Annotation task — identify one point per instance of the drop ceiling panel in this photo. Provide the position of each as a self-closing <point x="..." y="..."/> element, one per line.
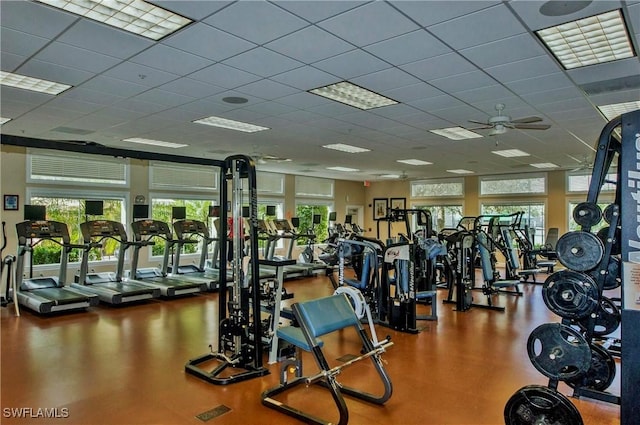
<point x="253" y="21"/>
<point x="66" y="103"/>
<point x="20" y="43"/>
<point x="413" y="92"/>
<point x="53" y="72"/>
<point x="25" y="96"/>
<point x="387" y="79"/>
<point x="162" y="97"/>
<point x="435" y="103"/>
<point x="92" y="96"/>
<point x="114" y="86"/>
<point x="263" y="62"/>
<point x="407" y="48"/>
<point x="104" y="39"/>
<point x="606" y="71"/>
<point x="34" y="18"/>
<point x="219" y="44"/>
<point x="303" y="100"/>
<point x="507" y="50"/>
<point x="351" y="64"/>
<point x="400" y="110"/>
<point x="13" y="108"/>
<point x="349" y="25"/>
<point x="192" y="9"/>
<point x="142" y="106"/>
<point x="439" y="67"/>
<point x="309" y="45"/>
<point x="224" y="76"/>
<point x="267" y="89"/>
<point x="547" y="82"/>
<point x="190" y="87"/>
<point x="271" y="108"/>
<point x="529" y="11"/>
<point x="171" y="60"/>
<point x="484" y="94"/>
<point x="315" y="11"/>
<point x="462" y="82"/>
<point x="523" y="69"/>
<point x="67" y="55"/>
<point x="432" y="12"/>
<point x="551" y="96"/>
<point x="305" y="78"/>
<point x="493" y="23"/>
<point x="10" y="62"/>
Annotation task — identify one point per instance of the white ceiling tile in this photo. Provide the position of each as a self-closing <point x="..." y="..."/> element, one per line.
<point x="20" y="43"/>
<point x="25" y="96"/>
<point x="551" y="96"/>
<point x="387" y="79"/>
<point x="164" y="98"/>
<point x="114" y="86"/>
<point x="92" y="96"/>
<point x="104" y="39"/>
<point x="267" y="89"/>
<point x="195" y="10"/>
<point x="53" y="72"/>
<point x="315" y="11"/>
<point x="349" y="25"/>
<point x="431" y="12"/>
<point x="486" y="93"/>
<point x="512" y="49"/>
<point x="462" y="82"/>
<point x="304" y="100"/>
<point x="480" y="27"/>
<point x="67" y="55"/>
<point x="542" y="83"/>
<point x="64" y="102"/>
<point x="253" y="21"/>
<point x="439" y="66"/>
<point x="413" y="92"/>
<point x="219" y="44"/>
<point x="34" y="18"/>
<point x="434" y="103"/>
<point x="305" y="78"/>
<point x="351" y="64"/>
<point x="606" y="71"/>
<point x="139" y="105"/>
<point x="263" y="62"/>
<point x="224" y="76"/>
<point x="171" y="60"/>
<point x="309" y="45"/>
<point x="203" y="108"/>
<point x="271" y="108"/>
<point x="139" y="74"/>
<point x="10" y="62"/>
<point x="566" y="105"/>
<point x="300" y="116"/>
<point x="397" y="111"/>
<point x="15" y="104"/>
<point x="333" y="109"/>
<point x="190" y="87"/>
<point x="407" y="48"/>
<point x="523" y="69"/>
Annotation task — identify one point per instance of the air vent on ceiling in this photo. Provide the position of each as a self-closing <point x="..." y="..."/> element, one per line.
<point x="616" y="84"/>
<point x="71" y="130"/>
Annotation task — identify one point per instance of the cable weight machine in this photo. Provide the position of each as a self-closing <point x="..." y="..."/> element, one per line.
<point x="239" y="334"/>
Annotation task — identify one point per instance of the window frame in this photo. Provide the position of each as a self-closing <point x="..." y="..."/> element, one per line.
<point x="505" y="177"/>
<point x="460" y="180"/>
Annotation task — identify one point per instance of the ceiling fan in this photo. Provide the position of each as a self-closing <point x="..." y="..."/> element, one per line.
<point x="500" y="123"/>
<point x="261" y="158"/>
<point x="584" y="164"/>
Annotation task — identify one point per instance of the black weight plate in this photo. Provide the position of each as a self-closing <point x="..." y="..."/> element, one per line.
<point x="570" y="295"/>
<point x="603" y="235"/>
<point x="613" y="277"/>
<point x="607" y="318"/>
<point x="538" y="405"/>
<point x="580" y="251"/>
<point x="558" y="351"/>
<point x="607" y="214"/>
<point x="587" y="214"/>
<point x="601" y="372"/>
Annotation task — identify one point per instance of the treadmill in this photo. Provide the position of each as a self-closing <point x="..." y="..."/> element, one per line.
<point x="298" y="269"/>
<point x="48" y="294"/>
<point x="310" y="269"/>
<point x="111" y="288"/>
<point x="193" y="231"/>
<point x="170" y="285"/>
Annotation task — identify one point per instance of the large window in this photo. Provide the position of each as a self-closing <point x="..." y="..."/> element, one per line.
<point x="47" y="167"/>
<point x="516" y="184"/>
<point x="580" y="182"/>
<point x="305" y="212"/>
<point x="188" y="177"/>
<point x="313" y="187"/>
<point x="71" y="211"/>
<point x="533" y="216"/>
<point x="443" y="216"/>
<point x="437" y="188"/>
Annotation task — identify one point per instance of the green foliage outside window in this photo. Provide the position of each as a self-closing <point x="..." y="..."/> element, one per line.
<point x="195" y="210"/>
<point x="305" y="213"/>
<point x="71" y="212"/>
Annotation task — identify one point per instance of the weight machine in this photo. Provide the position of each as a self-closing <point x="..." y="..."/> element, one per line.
<point x="572" y="351"/>
<point x="239" y="349"/>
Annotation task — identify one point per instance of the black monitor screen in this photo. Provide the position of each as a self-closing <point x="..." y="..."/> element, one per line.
<point x="35" y="212"/>
<point x="317" y="218"/>
<point x="245" y="212"/>
<point x="333" y="216"/>
<point x="295" y="221"/>
<point x="93" y="207"/>
<point x="214" y="210"/>
<point x="271" y="210"/>
<point x="140" y="211"/>
<point x="178" y="213"/>
<point x="347" y="219"/>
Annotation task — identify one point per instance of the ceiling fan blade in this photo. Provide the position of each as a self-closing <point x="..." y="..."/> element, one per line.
<point x="484" y="127"/>
<point x="526" y="120"/>
<point x="478" y="122"/>
<point x="532" y="126"/>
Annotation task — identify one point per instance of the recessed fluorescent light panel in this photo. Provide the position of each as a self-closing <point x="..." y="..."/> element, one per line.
<point x="510" y="153"/>
<point x="587" y="41"/>
<point x="460" y="171"/>
<point x="352" y="95"/>
<point x="344" y="169"/>
<point x="33" y="84"/>
<point x="456" y="133"/>
<point x="230" y="124"/>
<point x="414" y="162"/>
<point x="136" y="16"/>
<point x="4" y="120"/>
<point x="389" y="176"/>
<point x="544" y="165"/>
<point x="615" y="109"/>
<point x="346" y="148"/>
<point x="154" y="142"/>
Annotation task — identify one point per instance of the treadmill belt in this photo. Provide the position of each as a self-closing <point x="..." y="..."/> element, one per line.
<point x="59" y="295"/>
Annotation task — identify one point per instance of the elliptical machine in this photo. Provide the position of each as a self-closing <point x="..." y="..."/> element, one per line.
<point x="9" y="291"/>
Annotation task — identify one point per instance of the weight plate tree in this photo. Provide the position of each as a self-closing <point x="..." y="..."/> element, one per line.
<point x="535" y="404"/>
